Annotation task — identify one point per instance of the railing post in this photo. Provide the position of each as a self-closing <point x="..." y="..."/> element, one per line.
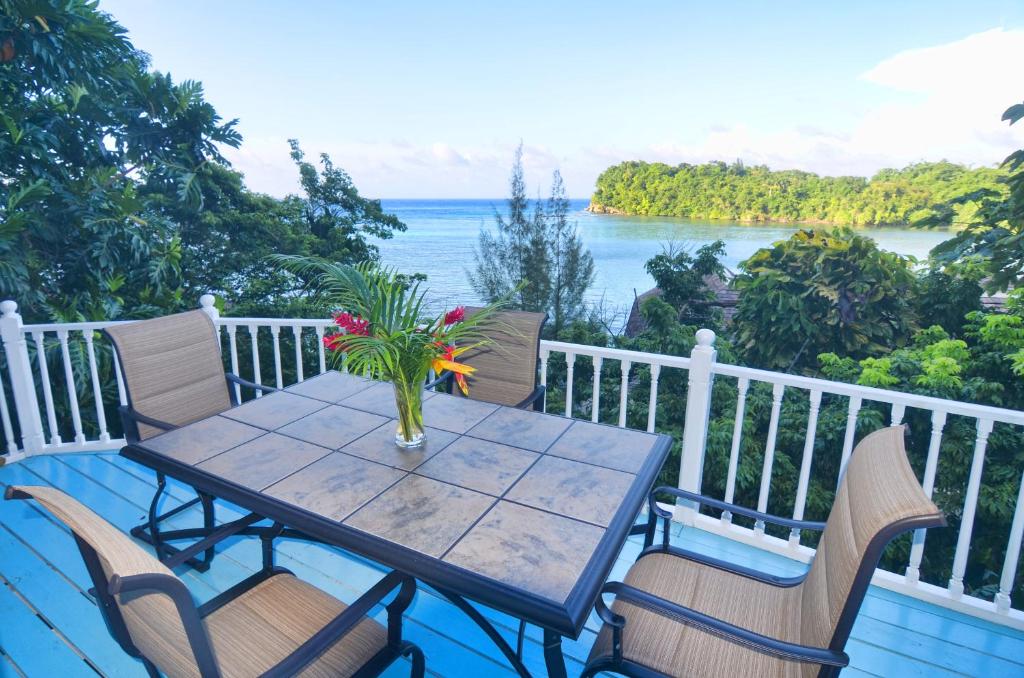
<point x="698" y="412"/>
<point x="22" y="383"/>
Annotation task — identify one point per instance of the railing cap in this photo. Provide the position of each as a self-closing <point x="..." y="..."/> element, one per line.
<point x="9" y="308"/>
<point x="705" y="337"/>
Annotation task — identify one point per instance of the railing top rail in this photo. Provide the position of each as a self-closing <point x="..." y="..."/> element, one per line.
<point x="72" y="327"/>
<point x="273" y="322"/>
<point x="616" y="354"/>
<point x="999" y="414"/>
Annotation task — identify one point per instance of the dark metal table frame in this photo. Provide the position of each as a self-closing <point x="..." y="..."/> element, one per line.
<point x="455" y="583"/>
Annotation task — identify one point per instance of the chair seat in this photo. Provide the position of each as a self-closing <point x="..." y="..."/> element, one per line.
<point x="261" y="627"/>
<point x="678" y="649"/>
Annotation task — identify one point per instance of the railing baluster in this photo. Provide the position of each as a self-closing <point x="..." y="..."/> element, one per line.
<point x="69" y="378"/>
<point x="544" y="355"/>
<point x="320" y="348"/>
<point x="1012" y="553"/>
<point x="233" y="350"/>
<point x="5" y="416"/>
<point x="297" y="331"/>
<point x="963" y="540"/>
<point x="851" y="431"/>
<point x="44" y="376"/>
<point x="97" y="389"/>
<point x="570" y="361"/>
<point x="778" y="390"/>
<point x="742" y="385"/>
<point x="805" y="466"/>
<point x="652" y="400"/>
<point x="898" y="412"/>
<point x="625" y="366"/>
<point x="595" y="407"/>
<point x="254" y="338"/>
<point x="913" y="573"/>
<point x="275" y="331"/>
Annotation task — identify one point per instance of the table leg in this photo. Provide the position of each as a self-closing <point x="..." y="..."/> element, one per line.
<point x="492" y="633"/>
<point x="553" y="657"/>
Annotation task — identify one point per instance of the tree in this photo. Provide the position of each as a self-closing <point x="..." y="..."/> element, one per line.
<point x="85" y="128"/>
<point x="572" y="266"/>
<point x="994" y="231"/>
<point x="822" y="291"/>
<point x="516" y="253"/>
<point x="682" y="280"/>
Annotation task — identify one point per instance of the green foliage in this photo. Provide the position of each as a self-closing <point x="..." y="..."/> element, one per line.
<point x="717" y="190"/>
<point x="541" y="250"/>
<point x="572" y="266"/>
<point x="818" y="292"/>
<point x="681" y="279"/>
<point x="86" y="128"/>
<point x="993" y="231"/>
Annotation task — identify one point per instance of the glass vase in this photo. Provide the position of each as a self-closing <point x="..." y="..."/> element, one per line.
<point x="409" y="401"/>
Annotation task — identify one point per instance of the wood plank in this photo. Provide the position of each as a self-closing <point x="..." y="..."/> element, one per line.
<point x="64" y="606"/>
<point x="35" y="648"/>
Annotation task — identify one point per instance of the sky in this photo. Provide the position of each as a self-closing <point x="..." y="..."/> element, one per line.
<point x="429" y="100"/>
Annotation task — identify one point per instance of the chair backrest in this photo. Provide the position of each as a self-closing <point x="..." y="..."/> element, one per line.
<point x="145" y="622"/>
<point x="172" y="368"/>
<point x="879" y="497"/>
<point x="506" y="368"/>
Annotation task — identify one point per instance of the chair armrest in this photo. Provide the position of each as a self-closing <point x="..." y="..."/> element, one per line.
<point x="708" y="624"/>
<point x="235" y="379"/>
<point x="532" y="399"/>
<point x="732" y="508"/>
<point x="323" y="639"/>
<point x="446" y="377"/>
<point x="139" y="418"/>
<point x="221" y="533"/>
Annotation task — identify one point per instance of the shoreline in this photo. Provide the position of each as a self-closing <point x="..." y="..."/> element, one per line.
<point x="598" y="209"/>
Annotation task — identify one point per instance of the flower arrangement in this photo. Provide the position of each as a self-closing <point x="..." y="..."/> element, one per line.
<point x="384" y="333"/>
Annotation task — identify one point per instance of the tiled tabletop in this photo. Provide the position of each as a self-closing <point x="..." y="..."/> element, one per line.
<point x="520" y="497"/>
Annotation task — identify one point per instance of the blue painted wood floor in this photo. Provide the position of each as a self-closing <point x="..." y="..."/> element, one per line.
<point x="49" y="625"/>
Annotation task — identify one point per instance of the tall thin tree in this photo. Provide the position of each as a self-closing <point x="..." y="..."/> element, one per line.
<point x="572" y="266"/>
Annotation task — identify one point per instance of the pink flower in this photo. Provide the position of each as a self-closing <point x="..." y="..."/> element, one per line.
<point x="456" y="315"/>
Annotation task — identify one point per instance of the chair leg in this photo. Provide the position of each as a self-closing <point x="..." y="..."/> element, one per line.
<point x="415" y="654"/>
<point x="209" y="524"/>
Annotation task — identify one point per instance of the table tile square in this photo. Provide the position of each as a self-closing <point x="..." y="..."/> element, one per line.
<point x="479" y="465"/>
<point x="264" y="461"/>
<point x="455" y="413"/>
<point x="274" y="410"/>
<point x="422" y="514"/>
<point x="336" y="485"/>
<point x="333" y="426"/>
<point x="204" y="439"/>
<point x="616" y="448"/>
<point x="581" y="491"/>
<point x="532" y="550"/>
<point x="522" y="428"/>
<point x="379" y="445"/>
<point x="379" y="398"/>
<point x="330" y="387"/>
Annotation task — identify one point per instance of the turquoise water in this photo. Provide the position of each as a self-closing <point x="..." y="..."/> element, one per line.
<point x="443" y="233"/>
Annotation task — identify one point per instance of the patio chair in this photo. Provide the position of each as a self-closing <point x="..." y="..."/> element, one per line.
<point x="270" y="624"/>
<point x="507" y="367"/>
<point x="173" y="375"/>
<point x="681" y="613"/>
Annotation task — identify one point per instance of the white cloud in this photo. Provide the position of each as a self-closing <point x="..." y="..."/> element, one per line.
<point x="942" y="102"/>
<point x="945" y="102"/>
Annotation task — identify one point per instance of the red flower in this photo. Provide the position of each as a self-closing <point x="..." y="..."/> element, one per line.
<point x="352" y="324"/>
<point x="456" y="315"/>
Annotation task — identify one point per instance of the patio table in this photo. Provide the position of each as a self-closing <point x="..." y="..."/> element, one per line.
<point x="521" y="511"/>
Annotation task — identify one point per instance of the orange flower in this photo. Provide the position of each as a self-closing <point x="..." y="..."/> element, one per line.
<point x="447" y="362"/>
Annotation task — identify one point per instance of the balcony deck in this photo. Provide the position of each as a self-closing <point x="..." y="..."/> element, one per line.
<point x="50" y="625"/>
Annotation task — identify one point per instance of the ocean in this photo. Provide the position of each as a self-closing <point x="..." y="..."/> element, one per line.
<point x="442" y="235"/>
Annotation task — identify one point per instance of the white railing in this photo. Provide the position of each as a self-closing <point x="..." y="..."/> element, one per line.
<point x="52" y="367"/>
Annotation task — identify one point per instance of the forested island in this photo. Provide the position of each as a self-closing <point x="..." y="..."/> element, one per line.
<point x="719" y="190"/>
